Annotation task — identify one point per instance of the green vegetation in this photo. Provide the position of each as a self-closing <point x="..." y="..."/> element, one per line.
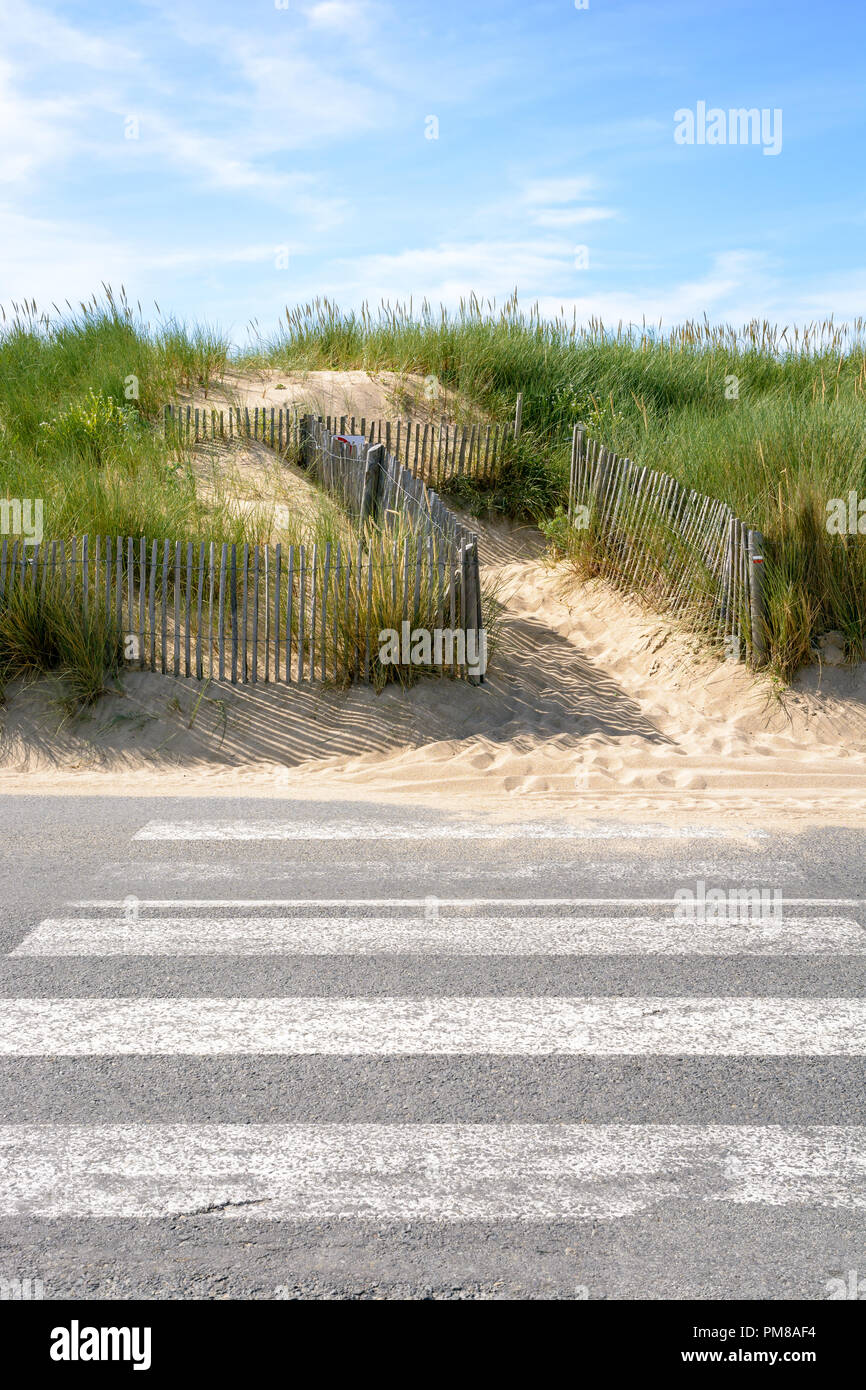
<point x="47" y="633"/>
<point x="772" y="422"/>
<point x="777" y="443"/>
<point x="79" y="396"/>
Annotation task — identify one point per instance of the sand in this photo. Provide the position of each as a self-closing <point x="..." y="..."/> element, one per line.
<point x="372" y="395"/>
<point x="592" y="705"/>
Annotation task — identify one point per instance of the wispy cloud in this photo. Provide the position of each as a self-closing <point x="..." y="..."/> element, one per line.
<point x="305" y="127"/>
<point x="348" y="17"/>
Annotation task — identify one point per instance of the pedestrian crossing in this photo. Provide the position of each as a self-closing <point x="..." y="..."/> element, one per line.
<point x="507" y="1170"/>
<point x="426" y="832"/>
<point x="440" y="1172"/>
<point x="393" y="1027"/>
<point x="494" y="934"/>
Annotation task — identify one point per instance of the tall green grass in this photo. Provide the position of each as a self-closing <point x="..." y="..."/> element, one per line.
<point x="81" y="396"/>
<point x="46" y="632"/>
<point x="791" y="437"/>
<point x="770" y="420"/>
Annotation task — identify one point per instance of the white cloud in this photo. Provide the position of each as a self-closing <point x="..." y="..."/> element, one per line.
<point x="54" y="261"/>
<point x="452" y="271"/>
<point x="560" y="190"/>
<point x="570" y="217"/>
<point x="34" y="130"/>
<point x="737" y="286"/>
<point x="345" y="16"/>
<point x="559" y="203"/>
<point x="43" y="37"/>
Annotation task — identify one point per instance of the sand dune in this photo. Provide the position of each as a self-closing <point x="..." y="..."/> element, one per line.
<point x="591" y="703"/>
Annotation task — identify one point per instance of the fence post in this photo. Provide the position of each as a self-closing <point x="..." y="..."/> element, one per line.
<point x="757" y="601"/>
<point x="576" y="450"/>
<point x="518" y="415"/>
<point x="472" y="615"/>
<point x="305" y="430"/>
<point x="372" y="474"/>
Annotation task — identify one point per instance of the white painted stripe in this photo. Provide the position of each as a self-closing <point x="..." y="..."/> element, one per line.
<point x="462" y="830"/>
<point x="375" y="1026"/>
<point x="421" y="1172"/>
<point x="461" y="936"/>
<point x="188" y="903"/>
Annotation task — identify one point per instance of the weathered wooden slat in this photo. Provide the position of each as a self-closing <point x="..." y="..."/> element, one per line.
<point x="245" y="611"/>
<point x="177" y="601"/>
<point x="118" y="597"/>
<point x="278" y="560"/>
<point x="233" y="601"/>
<point x="301" y="604"/>
<point x="452" y="584"/>
<point x="187" y="610"/>
<point x="130" y="588"/>
<point x="290" y="598"/>
<point x="368" y="608"/>
<point x="326" y="574"/>
<point x="108" y="577"/>
<point x="142" y="599"/>
<point x="151" y="601"/>
<point x="199" y="671"/>
<point x="267" y="602"/>
<point x="166" y="552"/>
<point x="211" y="584"/>
<point x="335" y="606"/>
<point x="254" y="673"/>
<point x="85" y="573"/>
<point x="221" y="612"/>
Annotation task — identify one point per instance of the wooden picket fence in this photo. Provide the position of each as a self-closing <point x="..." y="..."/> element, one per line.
<point x="684" y="551"/>
<point x="438" y="454"/>
<point x="374" y="485"/>
<point x="279" y="429"/>
<point x="250" y="613"/>
<point x="377" y="488"/>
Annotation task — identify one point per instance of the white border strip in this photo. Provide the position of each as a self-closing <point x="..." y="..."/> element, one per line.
<point x="242" y="830"/>
<point x="84" y="903"/>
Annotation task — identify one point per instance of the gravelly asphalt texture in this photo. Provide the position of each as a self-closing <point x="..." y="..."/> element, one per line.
<point x="678" y="1243"/>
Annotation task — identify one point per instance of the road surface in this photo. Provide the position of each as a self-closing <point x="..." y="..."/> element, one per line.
<point x="284" y="1049"/>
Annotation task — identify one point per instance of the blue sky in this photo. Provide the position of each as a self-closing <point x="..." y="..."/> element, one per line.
<point x="281" y="153"/>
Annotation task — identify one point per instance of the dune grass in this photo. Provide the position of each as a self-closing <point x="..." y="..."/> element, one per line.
<point x="769" y="420"/>
<point x="81" y="400"/>
<point x="46" y="632"/>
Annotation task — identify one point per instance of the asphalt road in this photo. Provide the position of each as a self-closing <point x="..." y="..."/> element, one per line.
<point x="279" y="1049"/>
